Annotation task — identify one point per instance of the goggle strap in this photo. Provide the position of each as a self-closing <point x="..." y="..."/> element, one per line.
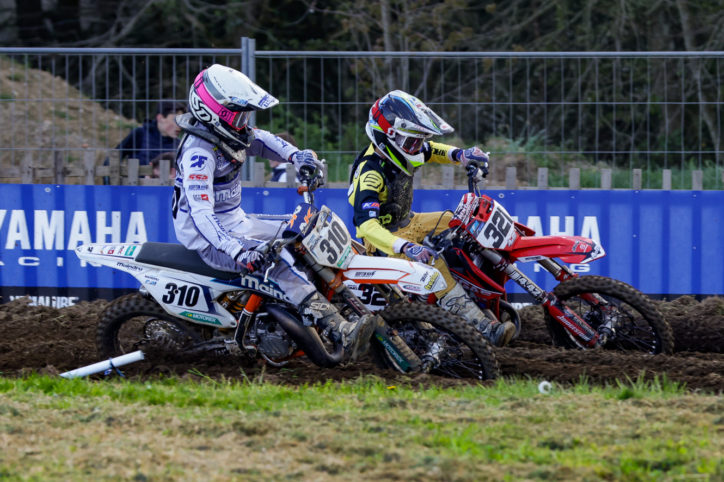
<point x="224" y="114"/>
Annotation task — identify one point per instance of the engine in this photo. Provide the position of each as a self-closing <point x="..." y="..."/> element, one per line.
<point x="272" y="340"/>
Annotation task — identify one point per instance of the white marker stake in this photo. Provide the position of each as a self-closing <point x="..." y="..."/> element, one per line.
<point x="545" y="387"/>
<point x="119" y="361"/>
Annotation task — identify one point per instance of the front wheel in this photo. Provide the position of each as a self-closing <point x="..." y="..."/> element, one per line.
<point x="637" y="324"/>
<point x="454" y="348"/>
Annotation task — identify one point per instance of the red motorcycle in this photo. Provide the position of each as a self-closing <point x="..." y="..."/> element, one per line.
<point x="481" y="247"/>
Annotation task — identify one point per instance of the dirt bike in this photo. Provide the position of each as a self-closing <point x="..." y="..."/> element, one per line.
<point x="185" y="308"/>
<point x="482" y="245"/>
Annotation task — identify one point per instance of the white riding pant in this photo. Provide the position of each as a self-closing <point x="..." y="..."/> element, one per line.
<point x="293" y="282"/>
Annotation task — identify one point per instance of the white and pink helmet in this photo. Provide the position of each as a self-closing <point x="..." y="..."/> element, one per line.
<point x="223" y="99"/>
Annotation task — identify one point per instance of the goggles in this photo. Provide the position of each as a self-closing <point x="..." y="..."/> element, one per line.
<point x="240" y="119"/>
<point x="408" y="143"/>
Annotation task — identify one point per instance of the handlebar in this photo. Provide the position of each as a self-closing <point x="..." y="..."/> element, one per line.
<point x="472" y="169"/>
<point x="310" y="179"/>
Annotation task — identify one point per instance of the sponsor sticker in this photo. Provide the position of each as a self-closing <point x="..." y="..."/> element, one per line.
<point x="198" y="177"/>
<point x="202" y="318"/>
<point x="198" y="161"/>
<point x="266" y="101"/>
<point x="433" y="278"/>
<point x="371" y="205"/>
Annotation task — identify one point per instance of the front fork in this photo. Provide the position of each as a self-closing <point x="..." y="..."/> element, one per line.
<point x="570" y="320"/>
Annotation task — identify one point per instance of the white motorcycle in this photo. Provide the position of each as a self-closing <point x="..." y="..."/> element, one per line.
<point x="185" y="308"/>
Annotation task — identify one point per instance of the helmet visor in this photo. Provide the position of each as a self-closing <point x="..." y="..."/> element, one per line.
<point x="409" y="144"/>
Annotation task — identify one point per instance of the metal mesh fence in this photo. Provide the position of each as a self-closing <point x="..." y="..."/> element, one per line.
<point x="615" y="110"/>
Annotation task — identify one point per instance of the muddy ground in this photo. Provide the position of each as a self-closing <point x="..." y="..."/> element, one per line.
<point x="48" y="340"/>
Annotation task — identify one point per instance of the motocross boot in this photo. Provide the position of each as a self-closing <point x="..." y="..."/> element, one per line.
<point x="355" y="336"/>
<point x="458" y="302"/>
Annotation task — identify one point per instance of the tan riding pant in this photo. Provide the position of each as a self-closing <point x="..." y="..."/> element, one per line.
<point x="420" y="226"/>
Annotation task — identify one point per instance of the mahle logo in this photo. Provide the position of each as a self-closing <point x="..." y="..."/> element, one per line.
<point x="202" y="318"/>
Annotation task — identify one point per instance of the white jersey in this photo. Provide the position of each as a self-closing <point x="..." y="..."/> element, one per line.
<point x="207" y="192"/>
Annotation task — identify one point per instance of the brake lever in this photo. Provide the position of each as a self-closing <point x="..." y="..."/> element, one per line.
<point x="268" y="270"/>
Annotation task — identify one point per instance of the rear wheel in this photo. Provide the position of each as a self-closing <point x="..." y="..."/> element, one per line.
<point x="637" y="323"/>
<point x="134" y="322"/>
<point x="458" y="350"/>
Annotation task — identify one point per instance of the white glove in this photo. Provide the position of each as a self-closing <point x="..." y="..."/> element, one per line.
<point x="474" y="154"/>
<point x="307" y="158"/>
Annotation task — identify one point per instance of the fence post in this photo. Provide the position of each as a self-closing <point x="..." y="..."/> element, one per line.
<point x="636" y="179"/>
<point x="697" y="180"/>
<point x="448" y="176"/>
<point x="574" y="178"/>
<point x="666" y="180"/>
<point x="89" y="166"/>
<point x="132" y="179"/>
<point x="164" y="172"/>
<point x="58" y="171"/>
<point x="291" y="175"/>
<point x="259" y="172"/>
<point x="511" y="181"/>
<point x="26" y="173"/>
<point x="606" y="178"/>
<point x="248" y="68"/>
<point x="114" y="164"/>
<point x="542" y="178"/>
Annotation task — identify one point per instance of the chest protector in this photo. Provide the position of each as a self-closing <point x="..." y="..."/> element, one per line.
<point x="396" y="211"/>
<point x="396" y="196"/>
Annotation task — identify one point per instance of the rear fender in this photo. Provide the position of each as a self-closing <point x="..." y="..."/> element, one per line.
<point x="569" y="249"/>
<point x="412" y="277"/>
<point x="116" y="256"/>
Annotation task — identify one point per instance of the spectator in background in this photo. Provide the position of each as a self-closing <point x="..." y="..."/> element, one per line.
<point x="156" y="163"/>
<point x="155" y="136"/>
<point x="279" y="169"/>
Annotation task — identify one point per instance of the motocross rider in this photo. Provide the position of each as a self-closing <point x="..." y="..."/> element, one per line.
<point x="207" y="209"/>
<point x="400" y="127"/>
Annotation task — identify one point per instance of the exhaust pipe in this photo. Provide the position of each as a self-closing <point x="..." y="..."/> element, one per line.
<point x="307" y="338"/>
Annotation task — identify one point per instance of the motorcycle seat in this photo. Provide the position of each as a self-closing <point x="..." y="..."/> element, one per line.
<point x="175" y="256"/>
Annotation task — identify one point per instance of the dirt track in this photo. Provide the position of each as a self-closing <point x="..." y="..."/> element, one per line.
<point x="49" y="340"/>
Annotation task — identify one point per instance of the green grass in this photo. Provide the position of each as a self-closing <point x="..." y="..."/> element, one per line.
<point x="365" y="429"/>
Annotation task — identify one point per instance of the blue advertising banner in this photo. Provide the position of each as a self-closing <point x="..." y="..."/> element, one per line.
<point x="665" y="243"/>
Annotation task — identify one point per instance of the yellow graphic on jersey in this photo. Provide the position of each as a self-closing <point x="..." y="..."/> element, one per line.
<point x="372" y="181"/>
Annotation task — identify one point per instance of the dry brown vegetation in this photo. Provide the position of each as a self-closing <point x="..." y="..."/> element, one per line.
<point x="42" y="115"/>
